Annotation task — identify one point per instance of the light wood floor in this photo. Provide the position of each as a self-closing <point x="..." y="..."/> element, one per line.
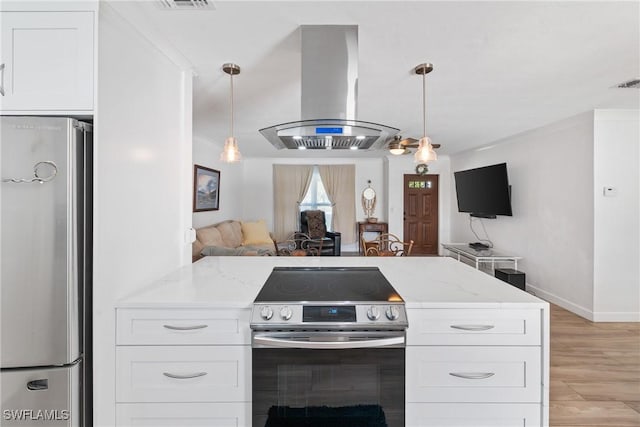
<point x="595" y="372"/>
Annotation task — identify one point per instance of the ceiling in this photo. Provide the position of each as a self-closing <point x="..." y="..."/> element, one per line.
<point x="500" y="68"/>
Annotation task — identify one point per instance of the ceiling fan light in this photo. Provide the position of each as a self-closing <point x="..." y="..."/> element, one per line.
<point x="396" y="148"/>
<point x="230" y="152"/>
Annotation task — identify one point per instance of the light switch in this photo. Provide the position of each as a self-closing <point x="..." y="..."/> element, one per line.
<point x="190" y="236"/>
<point x="610" y="191"/>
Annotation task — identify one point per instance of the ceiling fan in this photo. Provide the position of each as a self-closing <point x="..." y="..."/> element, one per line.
<point x="401" y="145"/>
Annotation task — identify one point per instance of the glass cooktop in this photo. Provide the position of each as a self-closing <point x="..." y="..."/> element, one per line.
<point x="336" y="284"/>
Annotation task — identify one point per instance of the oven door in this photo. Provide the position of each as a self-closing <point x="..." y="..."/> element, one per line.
<point x="328" y="379"/>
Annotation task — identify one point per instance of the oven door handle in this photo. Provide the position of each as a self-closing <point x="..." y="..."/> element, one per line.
<point x="267" y="341"/>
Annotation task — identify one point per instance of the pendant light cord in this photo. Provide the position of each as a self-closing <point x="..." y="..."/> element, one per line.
<point x="424" y="104"/>
<point x="231" y="80"/>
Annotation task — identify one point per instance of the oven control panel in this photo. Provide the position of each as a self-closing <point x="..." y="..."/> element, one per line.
<point x="329" y="315"/>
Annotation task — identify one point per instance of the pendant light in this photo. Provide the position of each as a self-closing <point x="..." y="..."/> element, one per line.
<point x="230" y="153"/>
<point x="425" y="152"/>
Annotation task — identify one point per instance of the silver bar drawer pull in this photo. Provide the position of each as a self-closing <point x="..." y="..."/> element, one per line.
<point x="185" y="328"/>
<point x="184" y="377"/>
<point x="472" y="375"/>
<point x="473" y="327"/>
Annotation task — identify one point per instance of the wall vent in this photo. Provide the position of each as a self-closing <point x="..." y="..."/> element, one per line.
<point x="631" y="84"/>
<point x="186" y="4"/>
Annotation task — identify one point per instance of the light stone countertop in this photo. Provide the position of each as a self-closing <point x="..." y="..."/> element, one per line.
<point x="423" y="282"/>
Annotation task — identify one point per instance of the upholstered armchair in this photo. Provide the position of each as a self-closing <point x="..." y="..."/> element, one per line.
<point x="313" y="224"/>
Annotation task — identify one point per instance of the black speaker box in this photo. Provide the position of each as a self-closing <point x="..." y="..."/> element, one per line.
<point x="511" y="276"/>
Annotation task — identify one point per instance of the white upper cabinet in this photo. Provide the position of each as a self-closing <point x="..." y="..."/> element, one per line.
<point x="48" y="61"/>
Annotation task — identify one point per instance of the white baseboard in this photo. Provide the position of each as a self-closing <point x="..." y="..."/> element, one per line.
<point x="616" y="316"/>
<point x="567" y="305"/>
<point x="601" y="316"/>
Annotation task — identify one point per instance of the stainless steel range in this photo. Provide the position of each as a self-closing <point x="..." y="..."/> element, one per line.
<point x="328" y="349"/>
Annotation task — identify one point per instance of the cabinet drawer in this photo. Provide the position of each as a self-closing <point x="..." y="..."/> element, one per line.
<point x="183" y="414"/>
<point x="474" y="374"/>
<point x="183" y="374"/>
<point x="473" y="327"/>
<point x="469" y="414"/>
<point x="183" y="326"/>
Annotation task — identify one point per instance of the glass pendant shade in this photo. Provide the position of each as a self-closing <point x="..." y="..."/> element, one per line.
<point x="425" y="152"/>
<point x="230" y="152"/>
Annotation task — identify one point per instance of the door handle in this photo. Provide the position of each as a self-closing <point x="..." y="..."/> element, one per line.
<point x="327" y="345"/>
<point x="36" y="385"/>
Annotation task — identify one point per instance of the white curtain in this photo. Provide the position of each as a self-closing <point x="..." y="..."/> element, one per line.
<point x="340" y="182"/>
<point x="290" y="184"/>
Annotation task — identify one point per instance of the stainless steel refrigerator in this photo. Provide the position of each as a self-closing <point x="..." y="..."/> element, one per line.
<point x="45" y="271"/>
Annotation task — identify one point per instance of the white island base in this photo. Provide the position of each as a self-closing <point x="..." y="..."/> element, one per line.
<point x="477" y="348"/>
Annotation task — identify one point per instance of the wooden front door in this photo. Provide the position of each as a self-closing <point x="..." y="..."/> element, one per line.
<point x="421" y="213"/>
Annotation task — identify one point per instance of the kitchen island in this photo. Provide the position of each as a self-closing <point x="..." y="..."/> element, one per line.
<point x="196" y="320"/>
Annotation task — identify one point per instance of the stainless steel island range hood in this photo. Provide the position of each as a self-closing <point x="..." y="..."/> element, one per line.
<point x="329" y="95"/>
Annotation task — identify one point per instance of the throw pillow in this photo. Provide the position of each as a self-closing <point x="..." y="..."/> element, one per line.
<point x="255" y="233"/>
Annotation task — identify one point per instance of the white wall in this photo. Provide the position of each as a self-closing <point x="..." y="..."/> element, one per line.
<point x="257" y="191"/>
<point x="396" y="168"/>
<point x="142" y="182"/>
<point x="207" y="153"/>
<point x="551" y="173"/>
<point x="617" y="218"/>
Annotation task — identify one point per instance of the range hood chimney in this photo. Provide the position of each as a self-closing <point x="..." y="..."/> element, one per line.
<point x="329" y="96"/>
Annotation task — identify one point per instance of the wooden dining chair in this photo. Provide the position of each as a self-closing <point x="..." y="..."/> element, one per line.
<point x="370" y="248"/>
<point x="387" y="244"/>
<point x="299" y="244"/>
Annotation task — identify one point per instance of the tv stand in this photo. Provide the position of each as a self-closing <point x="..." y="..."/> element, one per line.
<point x="462" y="252"/>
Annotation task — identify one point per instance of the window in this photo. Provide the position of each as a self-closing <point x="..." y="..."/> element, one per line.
<point x="317" y="198"/>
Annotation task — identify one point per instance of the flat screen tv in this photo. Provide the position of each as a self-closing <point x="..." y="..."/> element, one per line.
<point x="484" y="192"/>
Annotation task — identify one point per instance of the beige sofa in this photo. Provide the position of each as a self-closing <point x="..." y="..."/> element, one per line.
<point x="227" y="238"/>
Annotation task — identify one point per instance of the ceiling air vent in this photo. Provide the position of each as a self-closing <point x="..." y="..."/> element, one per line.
<point x="186" y="4"/>
<point x="631" y="84"/>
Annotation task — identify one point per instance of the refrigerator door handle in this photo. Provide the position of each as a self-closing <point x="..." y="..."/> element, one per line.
<point x="36" y="385"/>
<point x="2" y="79"/>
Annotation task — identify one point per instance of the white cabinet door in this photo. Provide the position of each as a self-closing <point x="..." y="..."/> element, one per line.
<point x="473" y="374"/>
<point x="48" y="61"/>
<point x="183" y="374"/>
<point x="193" y="326"/>
<point x="472" y="415"/>
<point x="183" y="414"/>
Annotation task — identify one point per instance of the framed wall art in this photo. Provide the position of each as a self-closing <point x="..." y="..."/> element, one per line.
<point x="206" y="189"/>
